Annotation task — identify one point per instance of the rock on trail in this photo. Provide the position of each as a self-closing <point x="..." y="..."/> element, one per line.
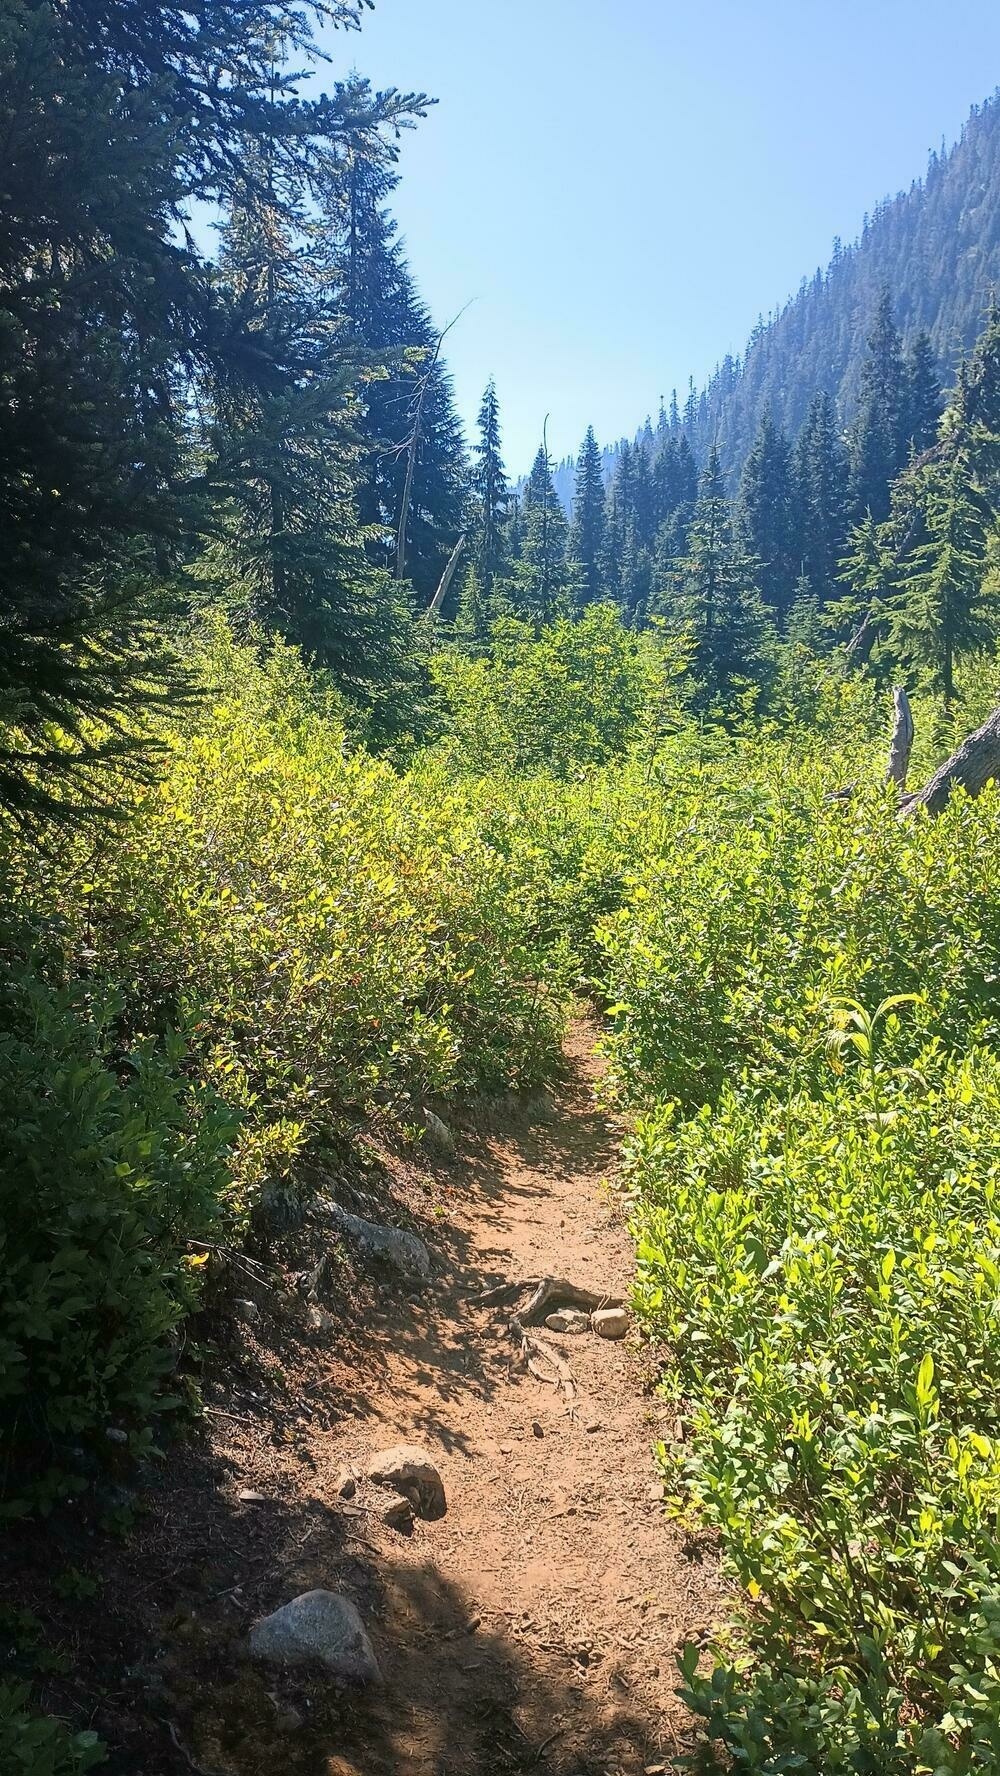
<point x="317" y="1627"/>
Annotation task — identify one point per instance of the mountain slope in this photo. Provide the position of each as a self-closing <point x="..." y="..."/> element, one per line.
<point x="937" y="246"/>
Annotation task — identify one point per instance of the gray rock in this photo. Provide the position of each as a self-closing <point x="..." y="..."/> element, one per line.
<point x="398" y="1515"/>
<point x="438" y="1132"/>
<point x="319" y="1320"/>
<point x="392" y="1245"/>
<point x="345" y="1484"/>
<point x="568" y="1319"/>
<point x="610" y="1322"/>
<point x="319" y="1627"/>
<point x="409" y="1470"/>
<point x="248" y="1312"/>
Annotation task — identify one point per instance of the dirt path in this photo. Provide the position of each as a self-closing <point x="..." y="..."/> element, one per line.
<point x="533" y="1628"/>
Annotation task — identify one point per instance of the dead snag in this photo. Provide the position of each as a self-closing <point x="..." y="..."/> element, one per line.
<point x="901" y="743"/>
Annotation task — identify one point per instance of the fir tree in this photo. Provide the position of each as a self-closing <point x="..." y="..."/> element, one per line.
<point x="492" y="493"/>
<point x="942" y="610"/>
<point x="923" y="395"/>
<point x="712" y="593"/>
<point x="587" y="533"/>
<point x="405" y="386"/>
<point x="765" y="516"/>
<point x="878" y="438"/>
<point x="820" y="496"/>
<point x="540" y="580"/>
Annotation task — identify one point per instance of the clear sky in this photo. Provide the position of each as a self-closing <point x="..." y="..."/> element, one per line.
<point x="624" y="185"/>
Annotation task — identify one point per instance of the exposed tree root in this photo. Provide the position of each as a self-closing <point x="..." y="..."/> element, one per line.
<point x="538" y="1297"/>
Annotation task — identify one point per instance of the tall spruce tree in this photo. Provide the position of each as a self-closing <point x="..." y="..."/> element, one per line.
<point x="405" y="393"/>
<point x="765" y="516"/>
<point x="879" y="434"/>
<point x="923" y="395"/>
<point x="492" y="493"/>
<point x="539" y="578"/>
<point x="712" y="594"/>
<point x="942" y="609"/>
<point x="116" y="336"/>
<point x="587" y="531"/>
<point x="820" y="473"/>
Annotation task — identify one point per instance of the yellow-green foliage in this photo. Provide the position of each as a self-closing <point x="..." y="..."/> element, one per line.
<point x="815" y="1168"/>
<point x="577" y="695"/>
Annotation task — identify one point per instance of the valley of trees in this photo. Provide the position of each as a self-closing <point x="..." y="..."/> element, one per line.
<point x="335" y="773"/>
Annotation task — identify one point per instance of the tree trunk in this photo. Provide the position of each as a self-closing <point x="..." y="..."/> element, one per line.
<point x="973" y="765"/>
<point x="902" y="739"/>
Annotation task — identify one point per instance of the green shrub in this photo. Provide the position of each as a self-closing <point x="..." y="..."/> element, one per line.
<point x="36" y="1744"/>
<point x="826" y="1272"/>
<point x="113" y="1163"/>
<point x="757" y="899"/>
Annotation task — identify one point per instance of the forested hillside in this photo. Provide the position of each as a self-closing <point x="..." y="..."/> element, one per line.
<point x="335" y="779"/>
<point x="936" y="247"/>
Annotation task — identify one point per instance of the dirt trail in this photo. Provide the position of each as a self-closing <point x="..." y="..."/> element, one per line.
<point x="533" y="1628"/>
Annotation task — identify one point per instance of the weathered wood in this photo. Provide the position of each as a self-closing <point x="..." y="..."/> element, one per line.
<point x="446" y="579"/>
<point x="863" y="640"/>
<point x="901" y="743"/>
<point x="972" y="766"/>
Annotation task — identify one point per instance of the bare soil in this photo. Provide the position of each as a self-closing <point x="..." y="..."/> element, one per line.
<point x="533" y="1628"/>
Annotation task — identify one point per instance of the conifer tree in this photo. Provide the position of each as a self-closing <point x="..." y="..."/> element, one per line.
<point x="116" y="336"/>
<point x="587" y="532"/>
<point x="878" y="438"/>
<point x="540" y="580"/>
<point x="765" y="516"/>
<point x="942" y="609"/>
<point x="489" y="482"/>
<point x="820" y="496"/>
<point x="972" y="422"/>
<point x="405" y="385"/>
<point x="712" y="593"/>
<point x="923" y="395"/>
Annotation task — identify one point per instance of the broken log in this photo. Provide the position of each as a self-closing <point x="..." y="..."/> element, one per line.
<point x="971" y="767"/>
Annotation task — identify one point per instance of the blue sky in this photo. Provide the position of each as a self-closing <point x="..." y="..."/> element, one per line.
<point x="621" y="187"/>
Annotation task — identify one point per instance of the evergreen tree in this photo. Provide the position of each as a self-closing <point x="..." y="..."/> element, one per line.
<point x="405" y="391"/>
<point x="765" y="516"/>
<point x="472" y="623"/>
<point x="489" y="482"/>
<point x="942" y="609"/>
<point x="116" y="336"/>
<point x="587" y="533"/>
<point x="540" y="579"/>
<point x="923" y="395"/>
<point x="878" y="438"/>
<point x="820" y="474"/>
<point x="712" y="593"/>
<point x="972" y="422"/>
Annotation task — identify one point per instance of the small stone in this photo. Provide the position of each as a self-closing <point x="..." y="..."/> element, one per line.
<point x="114" y="1435"/>
<point x="248" y="1312"/>
<point x="318" y="1320"/>
<point x="345" y="1484"/>
<point x="398" y="1515"/>
<point x="247" y="1497"/>
<point x="568" y="1319"/>
<point x="537" y="1428"/>
<point x="409" y="1470"/>
<point x="390" y="1245"/>
<point x="290" y="1721"/>
<point x="438" y="1133"/>
<point x="593" y="1424"/>
<point x="321" y="1627"/>
<point x="506" y="1448"/>
<point x="610" y="1322"/>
